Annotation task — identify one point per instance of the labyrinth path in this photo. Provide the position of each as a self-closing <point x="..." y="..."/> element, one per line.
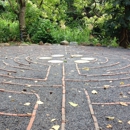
<point x="67" y="87"/>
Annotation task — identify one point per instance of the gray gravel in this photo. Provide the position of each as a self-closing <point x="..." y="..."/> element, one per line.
<point x="24" y="60"/>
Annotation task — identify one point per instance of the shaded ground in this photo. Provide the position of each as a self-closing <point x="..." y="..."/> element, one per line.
<point x="26" y="77"/>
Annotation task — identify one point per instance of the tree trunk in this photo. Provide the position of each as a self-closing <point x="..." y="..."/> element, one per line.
<point x="124" y="38"/>
<point x="124" y="35"/>
<point x="22" y="24"/>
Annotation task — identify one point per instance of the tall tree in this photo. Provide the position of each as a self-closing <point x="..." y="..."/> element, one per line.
<point x="19" y="8"/>
<point x="119" y="24"/>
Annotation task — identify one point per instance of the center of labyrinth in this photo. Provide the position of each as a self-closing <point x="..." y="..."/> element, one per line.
<point x="64" y="87"/>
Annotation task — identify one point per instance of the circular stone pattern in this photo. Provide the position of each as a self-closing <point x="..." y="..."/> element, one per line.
<point x="81" y="61"/>
<point x="44" y="58"/>
<point x="76" y="55"/>
<point x="57" y="55"/>
<point x="55" y="61"/>
<point x="86" y="58"/>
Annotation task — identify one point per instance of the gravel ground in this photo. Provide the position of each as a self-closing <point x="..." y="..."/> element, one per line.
<point x="25" y="78"/>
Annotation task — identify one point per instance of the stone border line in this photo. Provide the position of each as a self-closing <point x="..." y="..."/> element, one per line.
<point x="21" y="67"/>
<point x="45" y="79"/>
<point x="110" y="74"/>
<point x="126" y="85"/>
<point x="11" y="114"/>
<point x="20" y="62"/>
<point x="13" y="71"/>
<point x="92" y="111"/>
<point x="96" y="80"/>
<point x="120" y="68"/>
<point x="63" y="100"/>
<point x="96" y="75"/>
<point x="29" y="61"/>
<point x="30" y="85"/>
<point x="33" y="115"/>
<point x="101" y="66"/>
<point x="109" y="103"/>
<point x="105" y="61"/>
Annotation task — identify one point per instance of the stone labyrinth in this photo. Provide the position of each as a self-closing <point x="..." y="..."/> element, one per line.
<point x="64" y="87"/>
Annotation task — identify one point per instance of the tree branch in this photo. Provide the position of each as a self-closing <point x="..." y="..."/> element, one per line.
<point x="15" y="11"/>
<point x="40" y="3"/>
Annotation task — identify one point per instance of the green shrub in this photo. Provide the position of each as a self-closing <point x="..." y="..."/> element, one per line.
<point x="41" y="30"/>
<point x="8" y="30"/>
<point x="77" y="34"/>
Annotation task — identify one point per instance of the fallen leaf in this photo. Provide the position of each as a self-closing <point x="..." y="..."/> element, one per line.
<point x="86" y="84"/>
<point x="27" y="104"/>
<point x="29" y="113"/>
<point x="28" y="85"/>
<point x="9" y="81"/>
<point x="109" y="126"/>
<point x="120" y="121"/>
<point x="53" y="120"/>
<point x="122" y="83"/>
<point x="39" y="102"/>
<point x="47" y="114"/>
<point x="110" y="118"/>
<point x="124" y="96"/>
<point x="123" y="104"/>
<point x="129" y="122"/>
<point x="94" y="92"/>
<point x="121" y="94"/>
<point x="56" y="127"/>
<point x="12" y="100"/>
<point x="106" y="86"/>
<point x="73" y="104"/>
<point x="22" y="70"/>
<point x="86" y="68"/>
<point x="8" y="73"/>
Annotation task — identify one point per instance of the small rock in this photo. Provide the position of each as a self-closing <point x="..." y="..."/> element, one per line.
<point x="84" y="44"/>
<point x="1" y="44"/>
<point x="47" y="44"/>
<point x="23" y="44"/>
<point x="73" y="43"/>
<point x="98" y="44"/>
<point x="6" y="44"/>
<point x="90" y="44"/>
<point x="64" y="42"/>
<point x="41" y="43"/>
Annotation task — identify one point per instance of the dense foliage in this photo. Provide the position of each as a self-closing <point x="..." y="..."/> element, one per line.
<point x="104" y="22"/>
